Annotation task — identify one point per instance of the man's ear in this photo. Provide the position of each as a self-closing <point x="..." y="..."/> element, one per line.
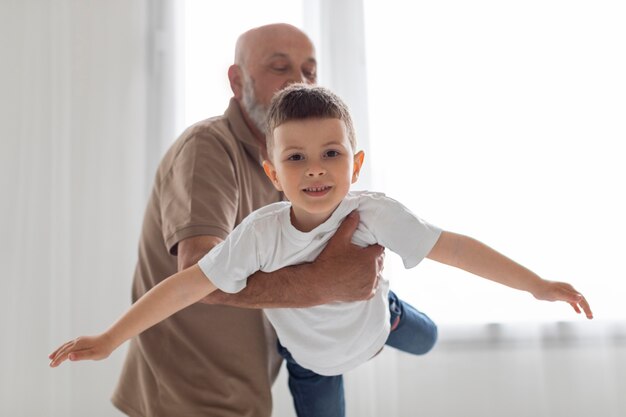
<point x="270" y="171"/>
<point x="235" y="76"/>
<point x="358" y="163"/>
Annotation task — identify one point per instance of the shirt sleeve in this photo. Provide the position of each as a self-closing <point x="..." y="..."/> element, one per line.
<point x="200" y="194"/>
<point x="403" y="232"/>
<point x="229" y="264"/>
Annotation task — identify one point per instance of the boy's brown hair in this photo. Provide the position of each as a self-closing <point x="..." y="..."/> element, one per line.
<point x="304" y="101"/>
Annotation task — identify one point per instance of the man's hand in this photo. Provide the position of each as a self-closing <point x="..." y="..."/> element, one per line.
<point x="342" y="272"/>
<point x="345" y="271"/>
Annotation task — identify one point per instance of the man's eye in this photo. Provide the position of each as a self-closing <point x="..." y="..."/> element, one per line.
<point x="331" y="154"/>
<point x="280" y="69"/>
<point x="295" y="157"/>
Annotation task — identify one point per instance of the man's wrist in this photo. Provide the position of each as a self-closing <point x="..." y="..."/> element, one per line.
<point x="311" y="274"/>
<point x="217" y="297"/>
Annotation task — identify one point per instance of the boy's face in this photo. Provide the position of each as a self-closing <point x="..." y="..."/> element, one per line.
<point x="314" y="164"/>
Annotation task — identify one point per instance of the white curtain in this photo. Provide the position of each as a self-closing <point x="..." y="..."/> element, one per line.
<point x="73" y="178"/>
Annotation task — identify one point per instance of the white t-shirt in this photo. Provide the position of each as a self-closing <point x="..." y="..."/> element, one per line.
<point x="329" y="339"/>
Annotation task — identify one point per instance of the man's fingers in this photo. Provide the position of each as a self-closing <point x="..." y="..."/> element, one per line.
<point x="376" y="250"/>
<point x="348" y="225"/>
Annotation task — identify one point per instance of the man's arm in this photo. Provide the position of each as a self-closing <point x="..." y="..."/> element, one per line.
<point x="477" y="258"/>
<point x="342" y="272"/>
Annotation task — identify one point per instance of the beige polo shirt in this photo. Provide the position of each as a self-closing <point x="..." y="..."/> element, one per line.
<point x="205" y="360"/>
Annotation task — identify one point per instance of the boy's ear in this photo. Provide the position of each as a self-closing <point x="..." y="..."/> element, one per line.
<point x="358" y="163"/>
<point x="235" y="77"/>
<point x="270" y="171"/>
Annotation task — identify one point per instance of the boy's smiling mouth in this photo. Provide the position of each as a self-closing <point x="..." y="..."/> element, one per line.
<point x="318" y="190"/>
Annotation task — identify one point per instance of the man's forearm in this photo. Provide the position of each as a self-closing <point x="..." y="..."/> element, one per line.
<point x="289" y="287"/>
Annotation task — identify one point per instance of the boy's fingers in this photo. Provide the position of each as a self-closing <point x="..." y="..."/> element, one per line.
<point x="72" y="355"/>
<point x="57" y="361"/>
<point x="569" y="295"/>
<point x="60" y="352"/>
<point x="56" y="352"/>
<point x="579" y="302"/>
<point x="586" y="308"/>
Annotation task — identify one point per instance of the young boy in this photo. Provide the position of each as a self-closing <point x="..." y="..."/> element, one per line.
<point x="311" y="149"/>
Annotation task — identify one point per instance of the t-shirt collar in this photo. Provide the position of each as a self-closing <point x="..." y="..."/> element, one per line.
<point x="345" y="207"/>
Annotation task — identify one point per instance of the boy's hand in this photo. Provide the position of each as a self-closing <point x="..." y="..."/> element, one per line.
<point x="562" y="291"/>
<point x="82" y="348"/>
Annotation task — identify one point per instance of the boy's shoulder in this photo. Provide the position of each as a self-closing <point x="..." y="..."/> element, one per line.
<point x="370" y="199"/>
<point x="268" y="213"/>
<point x="374" y="207"/>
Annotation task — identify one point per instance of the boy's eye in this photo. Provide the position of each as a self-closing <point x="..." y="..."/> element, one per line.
<point x="331" y="154"/>
<point x="295" y="157"/>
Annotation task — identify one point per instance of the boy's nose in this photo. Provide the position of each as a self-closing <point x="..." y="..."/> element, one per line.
<point x="315" y="171"/>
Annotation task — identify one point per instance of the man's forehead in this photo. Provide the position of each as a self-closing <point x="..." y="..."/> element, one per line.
<point x="283" y="49"/>
<point x="270" y="45"/>
<point x="279" y="55"/>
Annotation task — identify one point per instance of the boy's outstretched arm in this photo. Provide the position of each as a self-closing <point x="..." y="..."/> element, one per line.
<point x="171" y="295"/>
<point x="473" y="256"/>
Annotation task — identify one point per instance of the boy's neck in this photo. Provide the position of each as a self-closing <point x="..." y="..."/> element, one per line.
<point x="305" y="221"/>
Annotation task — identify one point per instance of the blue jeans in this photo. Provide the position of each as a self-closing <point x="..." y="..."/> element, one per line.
<point x="323" y="396"/>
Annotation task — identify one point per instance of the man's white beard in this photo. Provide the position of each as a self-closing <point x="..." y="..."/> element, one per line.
<point x="256" y="111"/>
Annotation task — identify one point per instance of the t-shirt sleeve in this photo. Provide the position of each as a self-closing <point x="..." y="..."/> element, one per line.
<point x="199" y="193"/>
<point x="403" y="232"/>
<point x="229" y="264"/>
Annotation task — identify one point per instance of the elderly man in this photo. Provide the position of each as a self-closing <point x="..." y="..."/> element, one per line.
<point x="217" y="359"/>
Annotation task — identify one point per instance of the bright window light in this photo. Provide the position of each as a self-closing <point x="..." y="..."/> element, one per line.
<point x="504" y="121"/>
<point x="499" y="120"/>
<point x="210" y="31"/>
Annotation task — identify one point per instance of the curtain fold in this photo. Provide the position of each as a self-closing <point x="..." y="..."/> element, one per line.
<point x="73" y="121"/>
